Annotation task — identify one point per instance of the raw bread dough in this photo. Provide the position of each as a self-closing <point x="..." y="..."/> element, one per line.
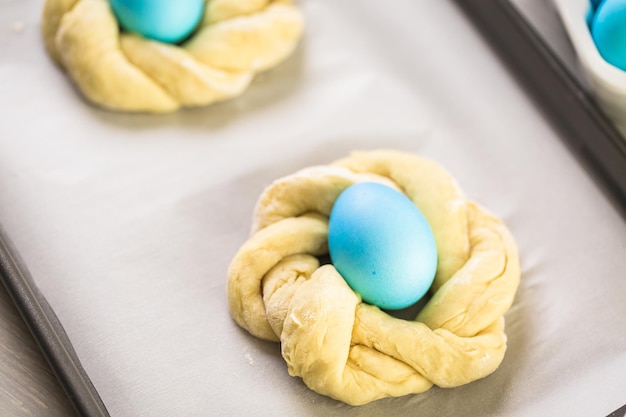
<point x="122" y="71"/>
<point x="347" y="349"/>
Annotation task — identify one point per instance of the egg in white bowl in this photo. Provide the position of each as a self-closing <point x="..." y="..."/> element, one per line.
<point x="607" y="81"/>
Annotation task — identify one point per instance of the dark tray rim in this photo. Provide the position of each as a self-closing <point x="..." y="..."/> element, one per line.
<point x="48" y="332"/>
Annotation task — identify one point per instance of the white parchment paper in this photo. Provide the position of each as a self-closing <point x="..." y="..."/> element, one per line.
<point x="128" y="222"/>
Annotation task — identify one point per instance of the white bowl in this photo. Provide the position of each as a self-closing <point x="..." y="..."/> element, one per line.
<point x="607" y="82"/>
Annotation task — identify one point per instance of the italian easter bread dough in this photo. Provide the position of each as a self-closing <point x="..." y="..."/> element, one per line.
<point x="121" y="71"/>
<point x="352" y="351"/>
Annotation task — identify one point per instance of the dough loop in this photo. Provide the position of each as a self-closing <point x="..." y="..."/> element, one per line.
<point x="122" y="71"/>
<point x="352" y="351"/>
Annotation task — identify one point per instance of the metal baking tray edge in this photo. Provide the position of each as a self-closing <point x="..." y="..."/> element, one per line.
<point x="48" y="332"/>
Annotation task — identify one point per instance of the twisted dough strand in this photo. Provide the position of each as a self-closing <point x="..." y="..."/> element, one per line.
<point x="236" y="40"/>
<point x="352" y="351"/>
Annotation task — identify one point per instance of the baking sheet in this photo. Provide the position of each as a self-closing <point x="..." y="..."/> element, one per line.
<point x="128" y="223"/>
<point x="545" y="19"/>
<point x="514" y="30"/>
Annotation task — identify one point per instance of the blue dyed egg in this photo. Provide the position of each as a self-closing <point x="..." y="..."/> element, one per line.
<point x="163" y="20"/>
<point x="608" y="29"/>
<point x="592" y="11"/>
<point x="382" y="245"/>
<point x="595" y="4"/>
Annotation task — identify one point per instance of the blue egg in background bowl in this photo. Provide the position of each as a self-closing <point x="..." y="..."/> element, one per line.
<point x="605" y="80"/>
<point x="169" y="21"/>
<point x="382" y="245"/>
<point x="608" y="30"/>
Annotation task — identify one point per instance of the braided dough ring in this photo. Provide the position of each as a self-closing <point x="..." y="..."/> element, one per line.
<point x="122" y="71"/>
<point x="352" y="351"/>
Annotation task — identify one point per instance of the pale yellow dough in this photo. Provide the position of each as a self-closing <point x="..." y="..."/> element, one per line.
<point x="352" y="351"/>
<point x="120" y="71"/>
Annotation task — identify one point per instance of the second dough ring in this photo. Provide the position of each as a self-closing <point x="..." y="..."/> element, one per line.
<point x="352" y="351"/>
<point x="122" y="71"/>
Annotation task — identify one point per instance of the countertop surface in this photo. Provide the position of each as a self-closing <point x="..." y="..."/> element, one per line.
<point x="28" y="387"/>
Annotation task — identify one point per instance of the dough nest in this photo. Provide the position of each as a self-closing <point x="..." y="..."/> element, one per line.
<point x="125" y="72"/>
<point x="347" y="349"/>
